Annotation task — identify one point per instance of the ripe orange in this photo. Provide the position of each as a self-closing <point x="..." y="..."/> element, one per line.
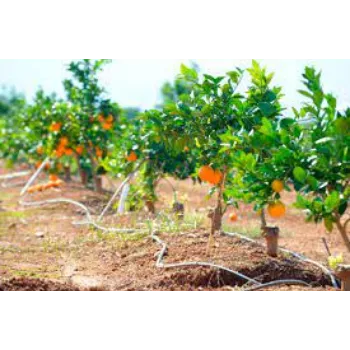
<point x="110" y="119"/>
<point x="31" y="189"/>
<point x="64" y="141"/>
<point x="217" y="178"/>
<point x="206" y="173"/>
<point x="40" y="150"/>
<point x="55" y="127"/>
<point x="132" y="157"/>
<point x="233" y="217"/>
<point x="277" y="186"/>
<point x="53" y="177"/>
<point x="38" y="188"/>
<point x="101" y="118"/>
<point x="277" y="210"/>
<point x="186" y="149"/>
<point x="99" y="152"/>
<point x="107" y="126"/>
<point x="68" y="151"/>
<point x="80" y="150"/>
<point x="46" y="186"/>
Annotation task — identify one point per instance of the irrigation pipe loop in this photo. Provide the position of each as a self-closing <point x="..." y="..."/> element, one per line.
<point x="296" y="255"/>
<point x="160" y="262"/>
<point x="14" y="175"/>
<point x="89" y="218"/>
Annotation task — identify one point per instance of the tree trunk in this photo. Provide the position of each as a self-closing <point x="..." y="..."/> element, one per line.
<point x="343" y="272"/>
<point x="271" y="235"/>
<point x="67" y="173"/>
<point x="98" y="184"/>
<point x="179" y="210"/>
<point x="84" y="177"/>
<point x="150" y="206"/>
<point x="342" y="230"/>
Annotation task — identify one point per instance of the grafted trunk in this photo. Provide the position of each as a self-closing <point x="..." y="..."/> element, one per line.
<point x="98" y="184"/>
<point x="271" y="235"/>
<point x="150" y="206"/>
<point x="343" y="273"/>
<point x="179" y="210"/>
<point x="67" y="173"/>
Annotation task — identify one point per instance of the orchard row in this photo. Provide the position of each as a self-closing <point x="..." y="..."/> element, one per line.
<point x="243" y="142"/>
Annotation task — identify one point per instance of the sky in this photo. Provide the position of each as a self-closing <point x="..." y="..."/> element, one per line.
<point x="136" y="83"/>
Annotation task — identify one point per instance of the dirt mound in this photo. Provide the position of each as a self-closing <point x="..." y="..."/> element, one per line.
<point x="35" y="285"/>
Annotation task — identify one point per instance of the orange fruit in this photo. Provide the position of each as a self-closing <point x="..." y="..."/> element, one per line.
<point x="59" y="182"/>
<point x="186" y="149"/>
<point x="277" y="210"/>
<point x="38" y="164"/>
<point x="38" y="188"/>
<point x="31" y="189"/>
<point x="64" y="141"/>
<point x="217" y="178"/>
<point x="132" y="157"/>
<point x="55" y="127"/>
<point x="206" y="173"/>
<point x="46" y="186"/>
<point x="40" y="150"/>
<point x="107" y="126"/>
<point x="80" y="150"/>
<point x="101" y="118"/>
<point x="110" y="119"/>
<point x="53" y="177"/>
<point x="233" y="217"/>
<point x="68" y="152"/>
<point x="277" y="186"/>
<point x="99" y="152"/>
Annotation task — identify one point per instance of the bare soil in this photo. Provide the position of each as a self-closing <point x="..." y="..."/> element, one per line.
<point x="42" y="248"/>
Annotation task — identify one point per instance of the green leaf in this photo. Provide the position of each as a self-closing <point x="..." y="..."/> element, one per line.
<point x="267" y="109"/>
<point x="332" y="202"/>
<point x="312" y="182"/>
<point x="300" y="174"/>
<point x="328" y="222"/>
<point x="343" y="207"/>
<point x="266" y="128"/>
<point x="188" y="73"/>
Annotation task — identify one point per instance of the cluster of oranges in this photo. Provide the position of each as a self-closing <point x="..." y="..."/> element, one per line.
<point x="107" y="123"/>
<point x="39" y="163"/>
<point x="55" y="127"/>
<point x="54" y="182"/>
<point x="63" y="148"/>
<point x="131" y="157"/>
<point x="277" y="209"/>
<point x="208" y="174"/>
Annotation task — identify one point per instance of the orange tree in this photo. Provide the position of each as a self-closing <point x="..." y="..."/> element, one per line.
<point x="151" y="146"/>
<point x="211" y="109"/>
<point x="96" y="118"/>
<point x="263" y="151"/>
<point x="322" y="174"/>
<point x="13" y="141"/>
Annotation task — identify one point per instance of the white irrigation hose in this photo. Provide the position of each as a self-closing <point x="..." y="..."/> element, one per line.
<point x="296" y="255"/>
<point x="14" y="175"/>
<point x="123" y="198"/>
<point x="89" y="218"/>
<point x="278" y="283"/>
<point x="116" y="194"/>
<point x="34" y="177"/>
<point x="160" y="262"/>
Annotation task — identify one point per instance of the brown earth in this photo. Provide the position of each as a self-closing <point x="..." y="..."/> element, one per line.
<point x="41" y="248"/>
